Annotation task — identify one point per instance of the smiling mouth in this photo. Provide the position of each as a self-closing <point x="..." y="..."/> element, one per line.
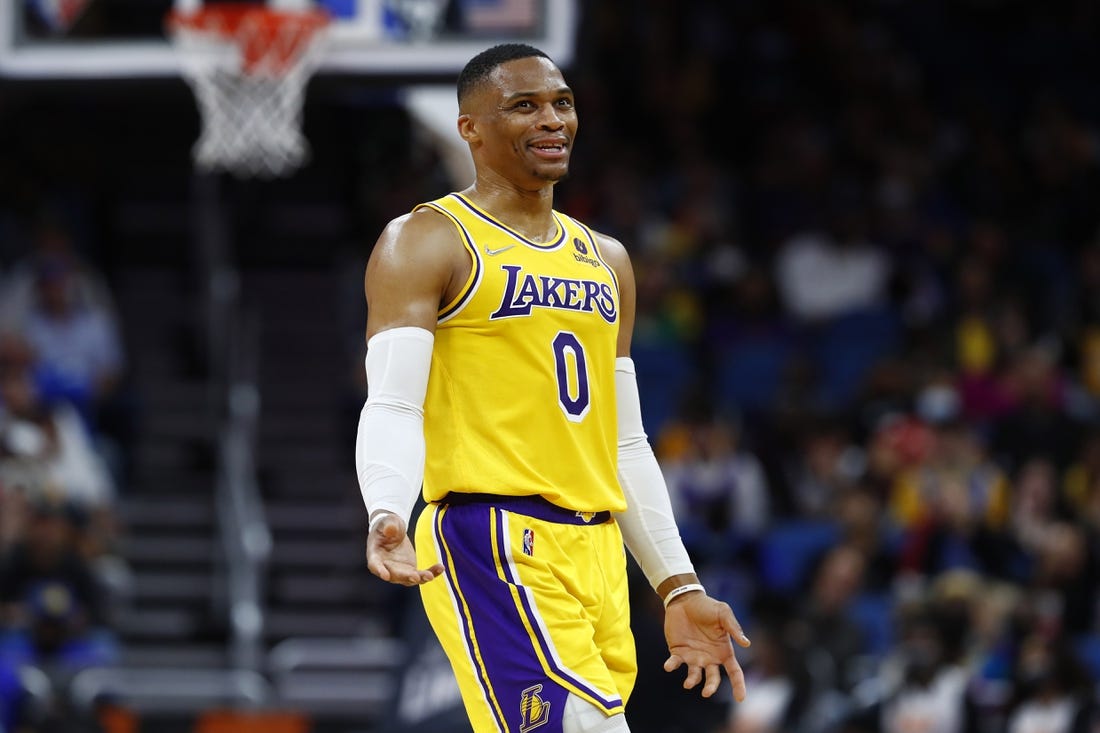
<point x="549" y="150"/>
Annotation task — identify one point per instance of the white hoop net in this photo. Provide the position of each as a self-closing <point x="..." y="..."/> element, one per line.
<point x="248" y="67"/>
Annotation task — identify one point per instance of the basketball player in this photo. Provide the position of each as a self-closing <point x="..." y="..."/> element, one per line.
<point x="498" y="360"/>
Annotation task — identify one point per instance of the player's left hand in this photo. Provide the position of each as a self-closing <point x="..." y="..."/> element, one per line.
<point x="698" y="630"/>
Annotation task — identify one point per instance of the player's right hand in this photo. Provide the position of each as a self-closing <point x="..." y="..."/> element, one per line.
<point x="390" y="554"/>
<point x="698" y="629"/>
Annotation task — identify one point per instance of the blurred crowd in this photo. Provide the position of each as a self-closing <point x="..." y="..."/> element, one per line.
<point x="867" y="245"/>
<point x="61" y="367"/>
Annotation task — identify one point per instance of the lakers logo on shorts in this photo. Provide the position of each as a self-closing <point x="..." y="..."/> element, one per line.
<point x="586" y="516"/>
<point x="533" y="710"/>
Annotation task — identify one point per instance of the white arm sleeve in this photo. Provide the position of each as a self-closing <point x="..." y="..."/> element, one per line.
<point x="389" y="447"/>
<point x="648" y="527"/>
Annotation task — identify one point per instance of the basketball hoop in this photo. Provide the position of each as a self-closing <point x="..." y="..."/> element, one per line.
<point x="248" y="66"/>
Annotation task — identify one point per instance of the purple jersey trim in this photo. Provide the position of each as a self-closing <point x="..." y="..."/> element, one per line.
<point x="475" y="280"/>
<point x="450" y="573"/>
<point x="509" y="230"/>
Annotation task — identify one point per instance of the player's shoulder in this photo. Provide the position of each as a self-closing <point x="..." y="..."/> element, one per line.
<point x="605" y="243"/>
<point x="421" y="232"/>
<point x="421" y="244"/>
<point x="612" y="251"/>
<point x="418" y="223"/>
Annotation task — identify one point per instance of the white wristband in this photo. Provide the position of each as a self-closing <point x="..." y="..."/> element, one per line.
<point x="677" y="592"/>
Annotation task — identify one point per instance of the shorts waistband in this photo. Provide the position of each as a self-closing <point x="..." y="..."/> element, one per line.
<point x="531" y="506"/>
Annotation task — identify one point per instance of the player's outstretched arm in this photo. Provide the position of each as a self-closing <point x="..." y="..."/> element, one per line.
<point x="409" y="274"/>
<point x="698" y="628"/>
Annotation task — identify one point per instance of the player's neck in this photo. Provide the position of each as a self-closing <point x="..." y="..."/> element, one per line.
<point x="528" y="212"/>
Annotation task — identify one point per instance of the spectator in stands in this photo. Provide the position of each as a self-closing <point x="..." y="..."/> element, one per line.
<point x="984" y="332"/>
<point x="1053" y="692"/>
<point x="899" y="443"/>
<point x="48" y="448"/>
<point x="780" y="686"/>
<point x="52" y="243"/>
<point x="932" y="694"/>
<point x="52" y="610"/>
<point x="77" y="346"/>
<point x="826" y="465"/>
<point x="859" y="513"/>
<point x="1037" y="423"/>
<point x="718" y="488"/>
<point x="1035" y="507"/>
<point x="1064" y="584"/>
<point x="953" y="507"/>
<point x="985" y="611"/>
<point x="823" y="629"/>
<point x="834" y="270"/>
<point x="47" y="451"/>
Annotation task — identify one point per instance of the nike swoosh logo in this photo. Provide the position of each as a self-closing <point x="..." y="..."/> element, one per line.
<point x="492" y="252"/>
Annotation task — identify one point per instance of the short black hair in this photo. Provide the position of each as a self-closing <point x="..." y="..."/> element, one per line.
<point x="481" y="66"/>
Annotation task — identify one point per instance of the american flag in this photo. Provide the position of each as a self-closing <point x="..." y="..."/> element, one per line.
<point x="59" y="15"/>
<point x="501" y="15"/>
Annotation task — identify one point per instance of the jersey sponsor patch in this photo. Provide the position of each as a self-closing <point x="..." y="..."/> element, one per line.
<point x="581" y="255"/>
<point x="529" y="542"/>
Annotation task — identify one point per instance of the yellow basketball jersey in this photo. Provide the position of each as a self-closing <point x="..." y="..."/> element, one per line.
<point x="521" y="395"/>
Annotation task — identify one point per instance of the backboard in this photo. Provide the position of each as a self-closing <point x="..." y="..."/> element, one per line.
<point x="89" y="39"/>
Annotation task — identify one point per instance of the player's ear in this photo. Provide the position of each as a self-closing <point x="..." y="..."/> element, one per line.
<point x="467" y="128"/>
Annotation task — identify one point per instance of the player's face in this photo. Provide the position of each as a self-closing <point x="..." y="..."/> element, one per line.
<point x="529" y="121"/>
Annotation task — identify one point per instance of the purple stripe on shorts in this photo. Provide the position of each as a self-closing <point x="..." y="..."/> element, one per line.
<point x="544" y="643"/>
<point x="462" y="600"/>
